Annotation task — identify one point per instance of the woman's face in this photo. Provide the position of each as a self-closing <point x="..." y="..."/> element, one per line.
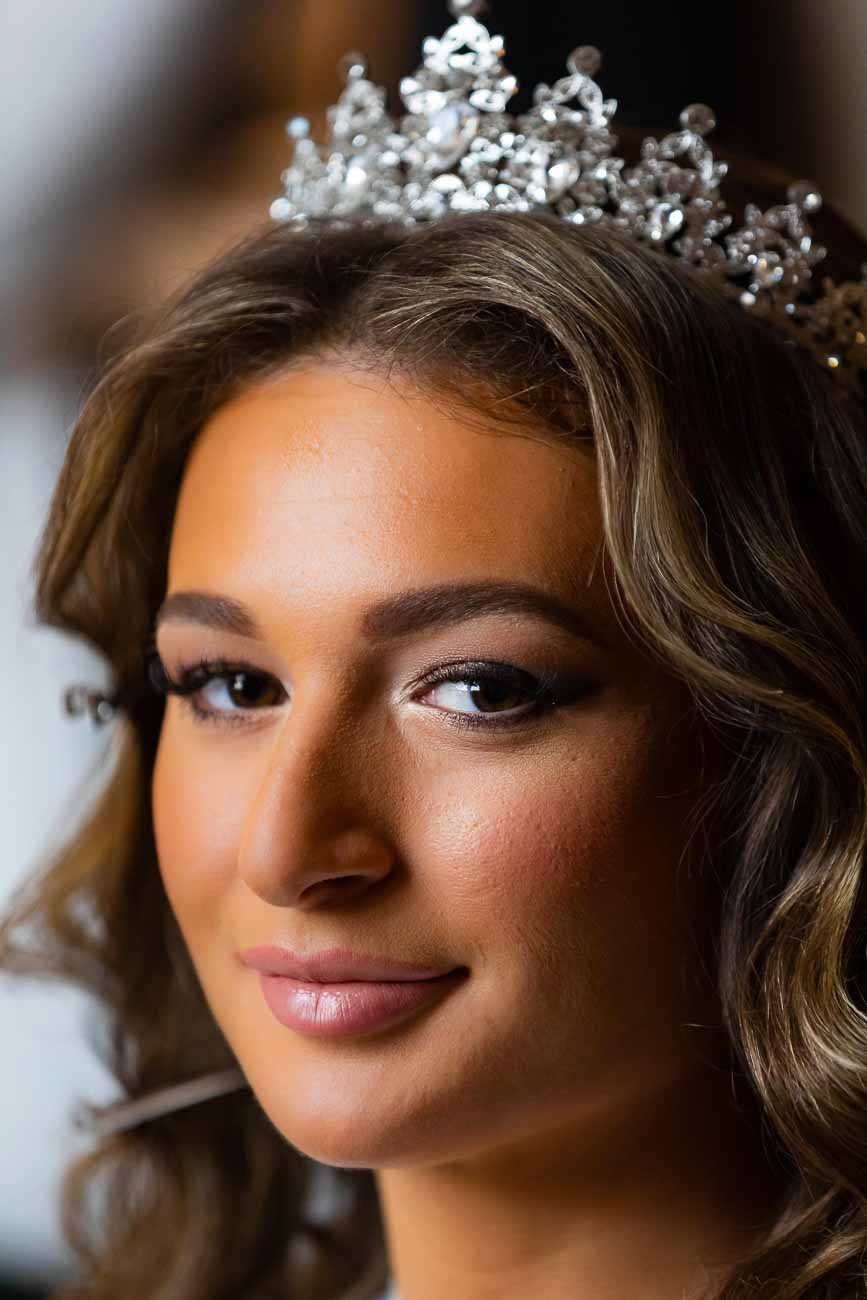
<point x="337" y="798"/>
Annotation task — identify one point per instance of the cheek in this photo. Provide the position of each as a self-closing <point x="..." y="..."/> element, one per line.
<point x="560" y="852"/>
<point x="499" y="841"/>
<point x="196" y="829"/>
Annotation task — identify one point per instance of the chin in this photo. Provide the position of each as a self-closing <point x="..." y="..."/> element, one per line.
<point x="349" y="1129"/>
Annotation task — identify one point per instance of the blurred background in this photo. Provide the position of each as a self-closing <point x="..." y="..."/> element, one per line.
<point x="138" y="139"/>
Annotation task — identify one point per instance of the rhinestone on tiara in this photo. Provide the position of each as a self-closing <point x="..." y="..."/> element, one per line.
<point x="456" y="149"/>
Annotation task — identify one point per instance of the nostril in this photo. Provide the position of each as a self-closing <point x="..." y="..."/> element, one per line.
<point x="337" y="888"/>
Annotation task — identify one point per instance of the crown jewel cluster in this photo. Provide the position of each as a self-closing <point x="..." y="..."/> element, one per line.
<point x="457" y="150"/>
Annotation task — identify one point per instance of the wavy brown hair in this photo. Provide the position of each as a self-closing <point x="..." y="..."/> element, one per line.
<point x="733" y="480"/>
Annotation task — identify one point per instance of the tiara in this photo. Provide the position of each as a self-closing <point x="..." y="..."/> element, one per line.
<point x="457" y="150"/>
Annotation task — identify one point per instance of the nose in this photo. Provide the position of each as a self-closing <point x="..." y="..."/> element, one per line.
<point x="313" y="830"/>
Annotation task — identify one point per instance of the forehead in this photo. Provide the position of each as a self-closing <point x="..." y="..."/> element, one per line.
<point x="330" y="474"/>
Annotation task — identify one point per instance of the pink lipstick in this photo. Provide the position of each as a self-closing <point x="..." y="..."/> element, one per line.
<point x="335" y="993"/>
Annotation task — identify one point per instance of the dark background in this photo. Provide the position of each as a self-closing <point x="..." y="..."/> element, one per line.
<point x="657" y="57"/>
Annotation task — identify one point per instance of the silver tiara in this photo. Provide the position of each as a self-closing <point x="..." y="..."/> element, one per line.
<point x="457" y="150"/>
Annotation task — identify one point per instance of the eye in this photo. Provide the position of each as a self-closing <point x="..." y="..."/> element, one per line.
<point x="246" y="689"/>
<point x="490" y="694"/>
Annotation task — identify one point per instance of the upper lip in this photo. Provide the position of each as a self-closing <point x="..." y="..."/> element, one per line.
<point x="333" y="966"/>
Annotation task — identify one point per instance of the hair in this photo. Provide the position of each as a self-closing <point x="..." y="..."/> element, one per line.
<point x="732" y="476"/>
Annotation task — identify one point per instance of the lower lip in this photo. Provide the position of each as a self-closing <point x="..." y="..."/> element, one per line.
<point x="339" y="1010"/>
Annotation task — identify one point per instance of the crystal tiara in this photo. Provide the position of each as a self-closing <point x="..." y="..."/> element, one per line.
<point x="457" y="150"/>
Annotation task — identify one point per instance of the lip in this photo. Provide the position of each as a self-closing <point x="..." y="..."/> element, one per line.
<point x="335" y="966"/>
<point x="341" y="1010"/>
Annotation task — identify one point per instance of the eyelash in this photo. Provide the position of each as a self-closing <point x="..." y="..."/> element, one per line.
<point x="546" y="691"/>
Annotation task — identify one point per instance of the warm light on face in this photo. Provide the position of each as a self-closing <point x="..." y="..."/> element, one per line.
<point x="412" y="728"/>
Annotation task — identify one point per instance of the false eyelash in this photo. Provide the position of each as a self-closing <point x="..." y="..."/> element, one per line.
<point x="193" y="678"/>
<point x="545" y="694"/>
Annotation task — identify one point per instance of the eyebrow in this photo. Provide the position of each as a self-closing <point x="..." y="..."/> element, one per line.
<point x="404" y="614"/>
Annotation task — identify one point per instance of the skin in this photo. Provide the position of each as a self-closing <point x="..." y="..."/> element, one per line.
<point x="563" y="1123"/>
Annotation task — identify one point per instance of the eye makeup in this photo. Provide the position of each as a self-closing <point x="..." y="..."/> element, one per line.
<point x="479" y="682"/>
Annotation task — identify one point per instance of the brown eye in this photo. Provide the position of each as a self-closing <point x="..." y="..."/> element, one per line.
<point x="206" y="685"/>
<point x="489" y="694"/>
<point x="484" y="693"/>
<point x="247" y="690"/>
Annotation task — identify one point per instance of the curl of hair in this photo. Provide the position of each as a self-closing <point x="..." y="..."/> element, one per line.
<point x="733" y="483"/>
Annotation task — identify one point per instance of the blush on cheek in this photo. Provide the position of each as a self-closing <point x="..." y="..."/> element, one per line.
<point x="540" y="860"/>
<point x="496" y="846"/>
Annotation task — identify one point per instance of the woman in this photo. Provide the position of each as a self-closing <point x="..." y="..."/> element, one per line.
<point x="646" y="1076"/>
<point x="539" y="560"/>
